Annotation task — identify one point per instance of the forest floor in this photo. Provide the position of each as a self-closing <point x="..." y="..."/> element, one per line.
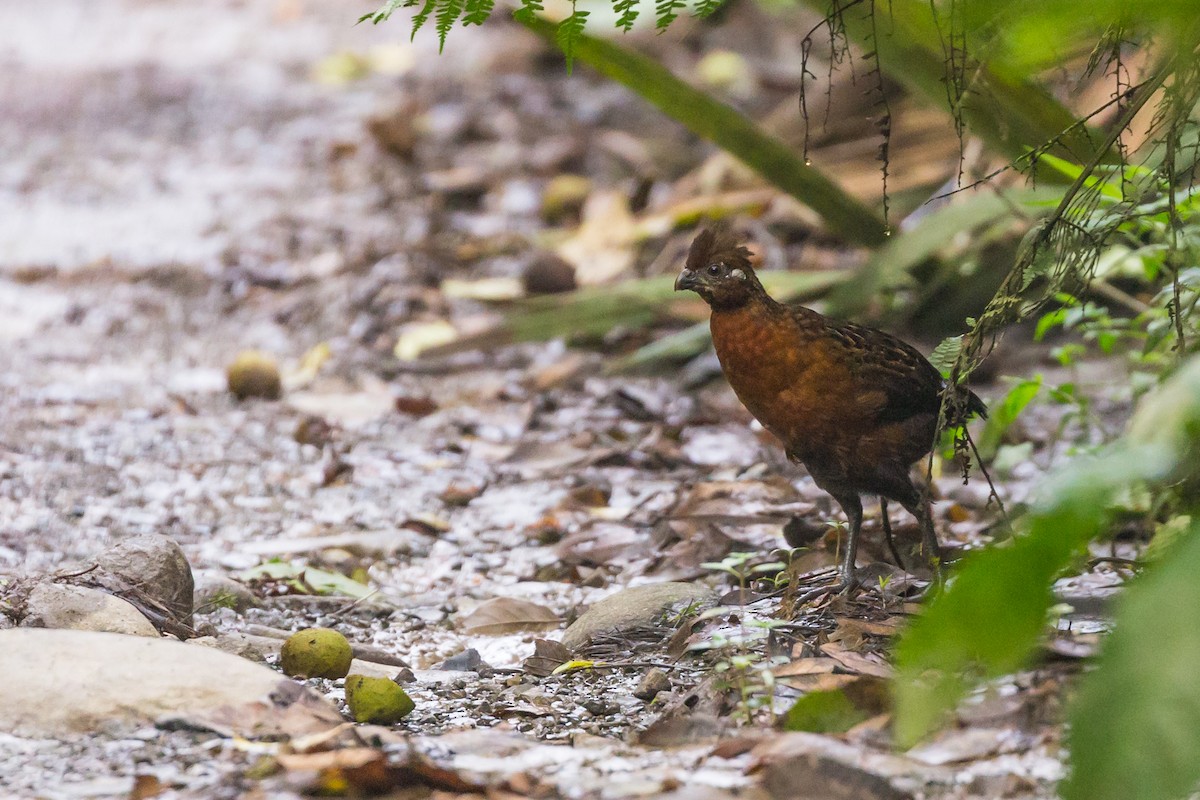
<point x="183" y="182"/>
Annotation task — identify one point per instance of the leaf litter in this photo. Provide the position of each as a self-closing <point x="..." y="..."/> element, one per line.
<point x="482" y="501"/>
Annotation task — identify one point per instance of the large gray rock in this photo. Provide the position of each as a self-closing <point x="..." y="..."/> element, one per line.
<point x="60" y="605"/>
<point x="63" y="684"/>
<point x="214" y="590"/>
<point x="155" y="565"/>
<point x="633" y="608"/>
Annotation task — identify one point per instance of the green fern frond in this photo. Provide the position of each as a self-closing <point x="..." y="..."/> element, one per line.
<point x="627" y="13"/>
<point x="666" y="11"/>
<point x="448" y="12"/>
<point x="421" y="17"/>
<point x="527" y="14"/>
<point x="568" y="33"/>
<point x="385" y="11"/>
<point x="477" y="11"/>
<point x="706" y="8"/>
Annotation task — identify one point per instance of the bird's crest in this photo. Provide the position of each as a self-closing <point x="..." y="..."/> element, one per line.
<point x="718" y="243"/>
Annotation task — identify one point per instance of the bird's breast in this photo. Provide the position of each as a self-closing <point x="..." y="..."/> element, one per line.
<point x="777" y="373"/>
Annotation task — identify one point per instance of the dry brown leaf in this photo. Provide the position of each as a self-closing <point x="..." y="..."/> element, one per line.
<point x="854" y="662"/>
<point x="819" y="682"/>
<point x="508" y="615"/>
<point x="603" y="246"/>
<point x="547" y="656"/>
<point x="145" y="787"/>
<point x="601" y="542"/>
<point x="806" y="666"/>
<point x="887" y="627"/>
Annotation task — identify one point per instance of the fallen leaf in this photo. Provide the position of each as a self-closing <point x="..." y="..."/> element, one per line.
<point x="507" y="615"/>
<point x="488" y="289"/>
<point x="968" y="745"/>
<point x="865" y="665"/>
<point x="307" y="580"/>
<point x="418" y="337"/>
<point x="838" y="710"/>
<point x="805" y="666"/>
<point x="603" y="246"/>
<point x="547" y="656"/>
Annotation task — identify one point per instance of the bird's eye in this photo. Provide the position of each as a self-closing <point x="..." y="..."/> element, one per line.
<point x="714" y="269"/>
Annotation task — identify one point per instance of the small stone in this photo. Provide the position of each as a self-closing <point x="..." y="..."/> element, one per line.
<point x="316" y="653"/>
<point x="254" y="374"/>
<point x="546" y="273"/>
<point x="633" y="608"/>
<point x="394" y="130"/>
<point x="377" y="700"/>
<point x="313" y="430"/>
<point x="599" y="708"/>
<point x="651" y="684"/>
<point x="467" y="660"/>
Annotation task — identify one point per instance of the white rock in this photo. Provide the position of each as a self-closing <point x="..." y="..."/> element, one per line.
<point x="63" y="684"/>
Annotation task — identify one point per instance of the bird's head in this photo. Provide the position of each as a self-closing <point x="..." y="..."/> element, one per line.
<point x="718" y="269"/>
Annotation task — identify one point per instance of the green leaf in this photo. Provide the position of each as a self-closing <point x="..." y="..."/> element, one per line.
<point x="890" y="265"/>
<point x="627" y="13"/>
<point x="666" y="12"/>
<point x="1002" y="104"/>
<point x="385" y="11"/>
<point x="945" y="354"/>
<point x="568" y="33"/>
<point x="838" y="710"/>
<point x="1005" y="413"/>
<point x="823" y="712"/>
<point x="1073" y="171"/>
<point x="1135" y="725"/>
<point x="527" y="13"/>
<point x="448" y="13"/>
<point x="305" y="579"/>
<point x="476" y="12"/>
<point x="988" y="620"/>
<point x="422" y="16"/>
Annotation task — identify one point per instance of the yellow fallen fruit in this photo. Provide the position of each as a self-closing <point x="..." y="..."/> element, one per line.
<point x="377" y="700"/>
<point x="316" y="653"/>
<point x="254" y="374"/>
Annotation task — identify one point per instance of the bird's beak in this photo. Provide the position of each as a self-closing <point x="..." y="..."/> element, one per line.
<point x="686" y="280"/>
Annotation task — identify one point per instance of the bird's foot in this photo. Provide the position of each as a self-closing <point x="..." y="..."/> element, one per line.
<point x="845" y="585"/>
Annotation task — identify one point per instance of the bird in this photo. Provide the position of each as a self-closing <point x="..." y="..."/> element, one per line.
<point x="852" y="404"/>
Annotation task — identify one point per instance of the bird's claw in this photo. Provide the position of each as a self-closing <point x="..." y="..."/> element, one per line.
<point x="845" y="586"/>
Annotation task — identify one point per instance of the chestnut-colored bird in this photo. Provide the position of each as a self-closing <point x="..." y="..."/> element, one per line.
<point x="853" y="404"/>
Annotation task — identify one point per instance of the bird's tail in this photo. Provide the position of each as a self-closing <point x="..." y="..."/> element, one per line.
<point x="975" y="405"/>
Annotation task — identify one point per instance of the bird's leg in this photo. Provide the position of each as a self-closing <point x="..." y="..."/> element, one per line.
<point x="847" y="573"/>
<point x="852" y="505"/>
<point x="887" y="532"/>
<point x="930" y="550"/>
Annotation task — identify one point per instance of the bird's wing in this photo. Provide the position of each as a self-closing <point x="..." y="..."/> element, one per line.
<point x="892" y="377"/>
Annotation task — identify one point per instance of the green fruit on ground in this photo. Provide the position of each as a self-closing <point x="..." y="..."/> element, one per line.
<point x="377" y="700"/>
<point x="316" y="653"/>
<point x="254" y="374"/>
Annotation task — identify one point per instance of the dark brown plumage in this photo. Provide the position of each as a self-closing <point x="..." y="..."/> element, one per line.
<point x="853" y="404"/>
